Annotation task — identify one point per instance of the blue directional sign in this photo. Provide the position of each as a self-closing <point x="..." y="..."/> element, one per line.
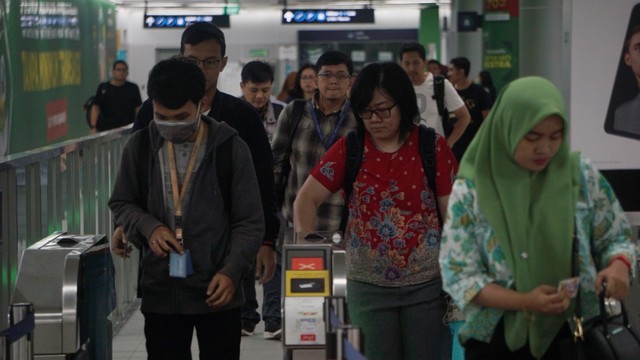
<point x="327" y="16"/>
<point x="180" y="21"/>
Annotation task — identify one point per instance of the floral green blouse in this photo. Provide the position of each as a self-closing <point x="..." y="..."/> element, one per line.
<point x="470" y="256"/>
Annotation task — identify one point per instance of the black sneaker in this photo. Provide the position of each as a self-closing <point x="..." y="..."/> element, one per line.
<point x="248" y="327"/>
<point x="272" y="330"/>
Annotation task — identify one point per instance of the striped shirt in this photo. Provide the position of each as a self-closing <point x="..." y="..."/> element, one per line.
<point x="306" y="151"/>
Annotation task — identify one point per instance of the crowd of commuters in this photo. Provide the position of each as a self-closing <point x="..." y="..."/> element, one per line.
<point x="414" y="225"/>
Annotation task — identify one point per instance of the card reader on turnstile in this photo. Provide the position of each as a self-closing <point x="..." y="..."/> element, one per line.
<point x="308" y="278"/>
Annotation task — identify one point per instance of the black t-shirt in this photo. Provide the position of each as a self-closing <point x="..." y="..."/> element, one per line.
<point x="477" y="100"/>
<point x="117" y="105"/>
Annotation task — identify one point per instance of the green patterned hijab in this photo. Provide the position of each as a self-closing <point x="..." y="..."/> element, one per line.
<point x="530" y="212"/>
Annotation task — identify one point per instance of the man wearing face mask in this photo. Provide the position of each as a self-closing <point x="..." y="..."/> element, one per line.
<point x="204" y="45"/>
<point x="198" y="248"/>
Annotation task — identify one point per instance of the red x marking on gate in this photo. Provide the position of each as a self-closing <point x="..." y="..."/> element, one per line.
<point x="307" y="263"/>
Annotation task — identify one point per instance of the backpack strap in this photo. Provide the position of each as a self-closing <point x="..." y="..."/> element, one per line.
<point x="145" y="155"/>
<point x="223" y="168"/>
<point x="224" y="171"/>
<point x="277" y="109"/>
<point x="355" y="151"/>
<point x="427" y="149"/>
<point x="296" y="115"/>
<point x="438" y="93"/>
<point x="438" y="96"/>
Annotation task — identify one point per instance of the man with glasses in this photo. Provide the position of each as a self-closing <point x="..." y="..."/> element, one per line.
<point x="326" y="118"/>
<point x="204" y="44"/>
<point x="116" y="101"/>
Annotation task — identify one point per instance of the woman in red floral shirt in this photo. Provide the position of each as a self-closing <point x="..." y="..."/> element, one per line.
<point x="393" y="233"/>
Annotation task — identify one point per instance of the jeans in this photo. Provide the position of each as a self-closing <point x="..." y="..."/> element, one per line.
<point x="270" y="300"/>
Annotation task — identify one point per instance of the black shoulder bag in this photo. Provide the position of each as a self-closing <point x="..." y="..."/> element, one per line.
<point x="605" y="337"/>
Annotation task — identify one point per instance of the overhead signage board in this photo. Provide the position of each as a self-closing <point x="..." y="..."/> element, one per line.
<point x="181" y="21"/>
<point x="327" y="16"/>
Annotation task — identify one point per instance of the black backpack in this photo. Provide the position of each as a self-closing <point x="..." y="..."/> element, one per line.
<point x="438" y="96"/>
<point x="355" y="150"/>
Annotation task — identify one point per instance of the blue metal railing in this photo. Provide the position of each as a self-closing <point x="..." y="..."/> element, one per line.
<point x="16" y="342"/>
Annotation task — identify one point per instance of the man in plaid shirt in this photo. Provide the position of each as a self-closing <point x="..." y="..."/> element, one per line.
<point x="326" y="118"/>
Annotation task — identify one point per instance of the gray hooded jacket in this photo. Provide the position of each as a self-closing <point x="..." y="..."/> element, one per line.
<point x="219" y="241"/>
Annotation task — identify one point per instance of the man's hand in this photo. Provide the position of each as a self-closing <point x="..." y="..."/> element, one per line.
<point x="265" y="264"/>
<point x="616" y="275"/>
<point x="119" y="243"/>
<point x="220" y="290"/>
<point x="162" y="241"/>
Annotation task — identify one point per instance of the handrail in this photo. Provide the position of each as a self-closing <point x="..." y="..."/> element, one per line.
<point x="30" y="156"/>
<point x="61" y="187"/>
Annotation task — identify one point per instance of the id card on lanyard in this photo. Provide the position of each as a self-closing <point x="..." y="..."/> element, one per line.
<point x="329" y="140"/>
<point x="180" y="265"/>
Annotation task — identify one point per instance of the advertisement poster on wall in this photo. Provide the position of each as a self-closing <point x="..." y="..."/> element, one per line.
<point x="605" y="75"/>
<point x="501" y="44"/>
<point x="52" y="56"/>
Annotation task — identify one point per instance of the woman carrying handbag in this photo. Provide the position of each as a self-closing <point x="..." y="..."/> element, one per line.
<point x="507" y="239"/>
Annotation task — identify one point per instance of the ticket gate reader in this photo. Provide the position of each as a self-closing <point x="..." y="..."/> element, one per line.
<point x="314" y="268"/>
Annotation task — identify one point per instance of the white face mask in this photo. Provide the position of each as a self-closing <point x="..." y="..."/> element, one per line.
<point x="178" y="131"/>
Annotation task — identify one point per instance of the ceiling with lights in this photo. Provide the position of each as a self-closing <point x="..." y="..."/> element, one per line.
<point x="272" y="4"/>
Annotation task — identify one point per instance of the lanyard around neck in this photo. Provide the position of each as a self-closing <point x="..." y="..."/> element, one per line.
<point x="178" y="194"/>
<point x="328" y="141"/>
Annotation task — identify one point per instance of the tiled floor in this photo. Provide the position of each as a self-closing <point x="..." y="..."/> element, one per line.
<point x="128" y="343"/>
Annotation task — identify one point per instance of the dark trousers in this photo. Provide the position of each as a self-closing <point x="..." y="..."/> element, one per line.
<point x="272" y="289"/>
<point x="168" y="337"/>
<point x="497" y="349"/>
<point x="403" y="322"/>
<point x="270" y="297"/>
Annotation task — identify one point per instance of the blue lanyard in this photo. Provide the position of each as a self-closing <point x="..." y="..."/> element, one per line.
<point x="327" y="142"/>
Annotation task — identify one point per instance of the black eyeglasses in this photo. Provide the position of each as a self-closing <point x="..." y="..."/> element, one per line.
<point x="380" y="113"/>
<point x="340" y="76"/>
<point x="208" y="63"/>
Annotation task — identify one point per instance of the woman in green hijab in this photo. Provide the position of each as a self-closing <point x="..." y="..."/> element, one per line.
<point x="507" y="239"/>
